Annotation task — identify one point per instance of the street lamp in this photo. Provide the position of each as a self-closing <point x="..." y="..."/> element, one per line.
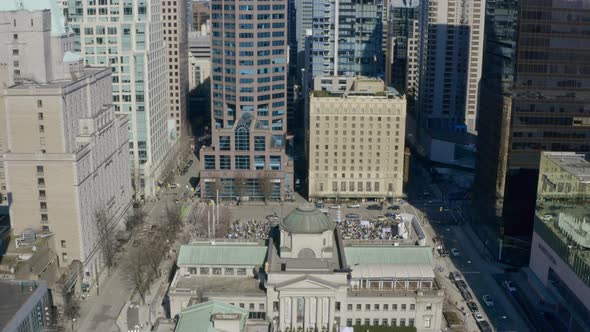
<point x="73" y="322"/>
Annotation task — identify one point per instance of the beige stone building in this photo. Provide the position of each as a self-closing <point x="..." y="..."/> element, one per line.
<point x="63" y="149"/>
<point x="356" y="139"/>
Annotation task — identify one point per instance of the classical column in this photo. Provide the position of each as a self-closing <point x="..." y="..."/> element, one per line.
<point x="306" y="314"/>
<point x="325" y="311"/>
<point x="330" y="313"/>
<point x="313" y="309"/>
<point x="282" y="313"/>
<point x="293" y="313"/>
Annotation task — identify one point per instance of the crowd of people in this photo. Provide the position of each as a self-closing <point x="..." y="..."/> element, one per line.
<point x="355" y="229"/>
<point x="252" y="229"/>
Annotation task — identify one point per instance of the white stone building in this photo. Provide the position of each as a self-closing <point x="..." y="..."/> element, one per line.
<point x="356" y="139"/>
<point x="63" y="148"/>
<point x="129" y="37"/>
<point x="199" y="58"/>
<point x="308" y="278"/>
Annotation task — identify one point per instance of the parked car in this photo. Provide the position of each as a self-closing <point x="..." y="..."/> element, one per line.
<point x="478" y="317"/>
<point x="487" y="299"/>
<point x="461" y="284"/>
<point x="190" y="163"/>
<point x="472" y="306"/>
<point x="353" y="206"/>
<point x="375" y="207"/>
<point x="319" y="204"/>
<point x="509" y="286"/>
<point x="484" y="326"/>
<point x="443" y="252"/>
<point x="393" y="207"/>
<point x="455" y="276"/>
<point x="466" y="294"/>
<point x="455" y="252"/>
<point x="390" y="214"/>
<point x="352" y="216"/>
<point x="174" y="186"/>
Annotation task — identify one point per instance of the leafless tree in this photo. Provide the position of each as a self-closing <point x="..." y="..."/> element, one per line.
<point x="199" y="222"/>
<point x="71" y="306"/>
<point x="107" y="237"/>
<point x="155" y="251"/>
<point x="225" y="219"/>
<point x="138" y="270"/>
<point x="137" y="218"/>
<point x="241" y="185"/>
<point x="173" y="220"/>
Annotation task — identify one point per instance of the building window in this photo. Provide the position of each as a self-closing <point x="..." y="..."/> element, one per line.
<point x="192" y="270"/>
<point x="357" y="321"/>
<point x="251" y="307"/>
<point x="349" y="322"/>
<point x="412" y="307"/>
<point x="359" y="307"/>
<point x="394" y="322"/>
<point x="44" y="217"/>
<point x="402" y="322"/>
<point x="41" y="128"/>
<point x="259" y="163"/>
<point x="39" y="115"/>
<point x="427" y="320"/>
<point x="224" y="143"/>
<point x="337" y="306"/>
<point x="275" y="306"/>
<point x="394" y="307"/>
<point x="259" y="143"/>
<point x="209" y="162"/>
<point x="241" y="271"/>
<point x="63" y="244"/>
<point x="64" y="256"/>
<point x="40" y="104"/>
<point x="411" y="322"/>
<point x="368" y="307"/>
<point x="367" y="322"/>
<point x="375" y="321"/>
<point x="217" y="271"/>
<point x="242" y="162"/>
<point x="229" y="271"/>
<point x="349" y="307"/>
<point x="261" y="306"/>
<point x="224" y="162"/>
<point x="384" y="322"/>
<point x="428" y="306"/>
<point x="14" y="52"/>
<point x="242" y="138"/>
<point x="40" y="169"/>
<point x="403" y="307"/>
<point x="386" y="307"/>
<point x="43" y="206"/>
<point x="42" y="194"/>
<point x="204" y="271"/>
<point x="275" y="163"/>
<point x="376" y="307"/>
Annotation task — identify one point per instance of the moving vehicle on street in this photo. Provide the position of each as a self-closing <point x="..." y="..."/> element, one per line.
<point x="509" y="286"/>
<point x="390" y="214"/>
<point x="375" y="207"/>
<point x="455" y="252"/>
<point x="353" y="206"/>
<point x="393" y="207"/>
<point x="487" y="299"/>
<point x="319" y="204"/>
<point x="352" y="216"/>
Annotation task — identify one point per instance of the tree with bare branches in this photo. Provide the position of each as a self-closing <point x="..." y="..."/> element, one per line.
<point x="241" y="185"/>
<point x="225" y="220"/>
<point x="155" y="251"/>
<point x="266" y="187"/>
<point x="139" y="272"/>
<point x="137" y="218"/>
<point x="107" y="237"/>
<point x="173" y="221"/>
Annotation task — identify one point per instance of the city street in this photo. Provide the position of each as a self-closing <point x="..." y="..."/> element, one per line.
<point x="481" y="273"/>
<point x="99" y="313"/>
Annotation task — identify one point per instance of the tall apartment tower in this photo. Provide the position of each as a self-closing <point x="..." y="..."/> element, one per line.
<point x="176" y="40"/>
<point x="401" y="64"/>
<point x="63" y="149"/>
<point x="450" y="63"/>
<point x="345" y="40"/>
<point x="545" y="110"/>
<point x="128" y="35"/>
<point x="247" y="158"/>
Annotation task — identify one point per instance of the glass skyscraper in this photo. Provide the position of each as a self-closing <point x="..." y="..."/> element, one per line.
<point x="247" y="158"/>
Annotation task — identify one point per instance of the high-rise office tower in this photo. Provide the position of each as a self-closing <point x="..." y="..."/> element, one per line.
<point x="247" y="158"/>
<point x="128" y="36"/>
<point x="176" y="40"/>
<point x="546" y="110"/>
<point x="63" y="149"/>
<point x="201" y="15"/>
<point x="345" y="40"/>
<point x="401" y="64"/>
<point x="450" y="63"/>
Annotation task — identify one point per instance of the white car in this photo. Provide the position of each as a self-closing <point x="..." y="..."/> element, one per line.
<point x="353" y="206"/>
<point x="509" y="286"/>
<point x="478" y="317"/>
<point x="455" y="252"/>
<point x="487" y="299"/>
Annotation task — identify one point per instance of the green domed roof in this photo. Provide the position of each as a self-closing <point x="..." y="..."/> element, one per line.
<point x="306" y="220"/>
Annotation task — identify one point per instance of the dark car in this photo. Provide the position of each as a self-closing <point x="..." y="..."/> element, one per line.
<point x="393" y="207"/>
<point x="461" y="284"/>
<point x="472" y="306"/>
<point x="484" y="326"/>
<point x="352" y="216"/>
<point x="390" y="214"/>
<point x="466" y="294"/>
<point x="375" y="207"/>
<point x="190" y="163"/>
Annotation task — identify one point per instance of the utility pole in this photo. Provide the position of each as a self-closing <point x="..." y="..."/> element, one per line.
<point x="217" y="222"/>
<point x="209" y="224"/>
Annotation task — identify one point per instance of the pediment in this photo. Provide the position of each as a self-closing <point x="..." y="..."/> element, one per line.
<point x="305" y="282"/>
